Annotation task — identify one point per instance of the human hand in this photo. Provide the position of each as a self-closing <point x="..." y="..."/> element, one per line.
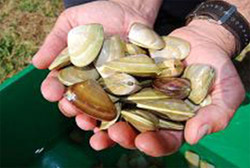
<point x="213" y="45"/>
<point x="162" y="142"/>
<point x="210" y="44"/>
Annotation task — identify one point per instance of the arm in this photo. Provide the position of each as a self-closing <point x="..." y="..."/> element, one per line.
<point x="214" y="45"/>
<point x="218" y="33"/>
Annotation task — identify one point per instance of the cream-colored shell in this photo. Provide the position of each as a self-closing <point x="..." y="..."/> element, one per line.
<point x="148" y="94"/>
<point x="61" y="60"/>
<point x="72" y="75"/>
<point x="175" y="48"/>
<point x="121" y="84"/>
<point x="134" y="64"/>
<point x="112" y="49"/>
<point x="201" y="77"/>
<point x="84" y="43"/>
<point x="144" y="36"/>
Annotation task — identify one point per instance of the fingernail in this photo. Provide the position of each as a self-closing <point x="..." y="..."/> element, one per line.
<point x="204" y="130"/>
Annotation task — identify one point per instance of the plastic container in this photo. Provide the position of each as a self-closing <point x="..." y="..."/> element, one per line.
<point x="35" y="134"/>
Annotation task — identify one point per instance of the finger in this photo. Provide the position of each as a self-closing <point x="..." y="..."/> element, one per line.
<point x="160" y="143"/>
<point x="85" y="122"/>
<point x="100" y="141"/>
<point x="226" y="97"/>
<point x="54" y="43"/>
<point x="67" y="108"/>
<point x="51" y="88"/>
<point x="209" y="119"/>
<point x="123" y="134"/>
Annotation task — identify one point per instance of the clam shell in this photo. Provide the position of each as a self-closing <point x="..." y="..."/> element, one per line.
<point x="147" y="94"/>
<point x="106" y="124"/>
<point x="164" y="124"/>
<point x="202" y="78"/>
<point x="84" y="43"/>
<point x="170" y="68"/>
<point x="121" y="84"/>
<point x="132" y="49"/>
<point x="175" y="48"/>
<point x="205" y="164"/>
<point x="142" y="120"/>
<point x="61" y="60"/>
<point x="145" y="37"/>
<point x="112" y="49"/>
<point x="173" y="109"/>
<point x="89" y="97"/>
<point x="134" y="65"/>
<point x="71" y="75"/>
<point x="173" y="87"/>
<point x="193" y="159"/>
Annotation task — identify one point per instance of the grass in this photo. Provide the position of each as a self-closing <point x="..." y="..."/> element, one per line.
<point x="23" y="26"/>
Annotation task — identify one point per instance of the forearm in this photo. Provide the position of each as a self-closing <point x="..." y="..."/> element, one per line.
<point x="243" y="6"/>
<point x="148" y="8"/>
<point x="217" y="33"/>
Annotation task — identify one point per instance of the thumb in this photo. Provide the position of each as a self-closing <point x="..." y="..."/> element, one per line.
<point x="55" y="42"/>
<point x="211" y="118"/>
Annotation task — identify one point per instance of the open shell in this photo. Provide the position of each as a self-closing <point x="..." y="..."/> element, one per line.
<point x="84" y="43"/>
<point x="144" y="36"/>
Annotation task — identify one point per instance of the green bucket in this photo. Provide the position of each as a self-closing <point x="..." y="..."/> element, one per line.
<point x="35" y="134"/>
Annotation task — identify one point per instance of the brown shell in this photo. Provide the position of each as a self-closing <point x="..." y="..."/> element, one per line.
<point x="92" y="99"/>
<point x="173" y="87"/>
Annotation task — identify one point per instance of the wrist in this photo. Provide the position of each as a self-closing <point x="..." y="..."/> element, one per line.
<point x="148" y="9"/>
<point x="213" y="34"/>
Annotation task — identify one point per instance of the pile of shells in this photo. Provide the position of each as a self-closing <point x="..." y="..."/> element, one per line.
<point x="143" y="81"/>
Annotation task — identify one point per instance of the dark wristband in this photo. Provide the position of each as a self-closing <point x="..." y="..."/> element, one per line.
<point x="71" y="3"/>
<point x="226" y="15"/>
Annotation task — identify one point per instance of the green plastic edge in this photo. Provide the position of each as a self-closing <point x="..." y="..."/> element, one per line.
<point x="16" y="77"/>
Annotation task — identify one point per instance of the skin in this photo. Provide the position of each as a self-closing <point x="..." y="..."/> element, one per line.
<point x="211" y="44"/>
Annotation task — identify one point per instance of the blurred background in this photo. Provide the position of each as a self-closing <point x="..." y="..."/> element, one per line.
<point x="23" y="27"/>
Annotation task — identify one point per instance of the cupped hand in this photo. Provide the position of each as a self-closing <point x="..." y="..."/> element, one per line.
<point x="116" y="19"/>
<point x="227" y="92"/>
<point x="212" y="45"/>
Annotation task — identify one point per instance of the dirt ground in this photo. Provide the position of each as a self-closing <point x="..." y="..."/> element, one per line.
<point x="24" y="25"/>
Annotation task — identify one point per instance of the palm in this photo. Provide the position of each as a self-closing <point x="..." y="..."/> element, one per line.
<point x="227" y="92"/>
